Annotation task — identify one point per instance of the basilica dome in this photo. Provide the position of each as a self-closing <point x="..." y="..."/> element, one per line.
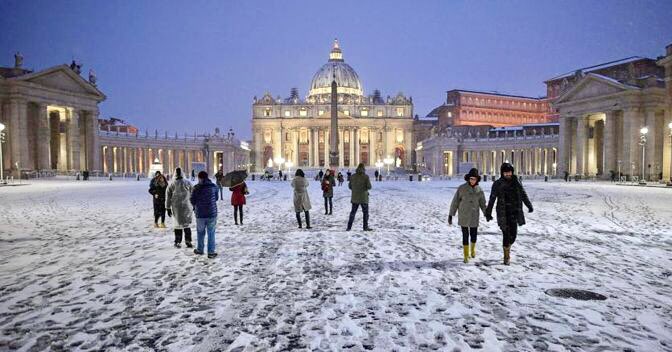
<point x="347" y="81"/>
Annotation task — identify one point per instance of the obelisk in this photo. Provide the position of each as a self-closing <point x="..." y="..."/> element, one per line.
<point x="333" y="133"/>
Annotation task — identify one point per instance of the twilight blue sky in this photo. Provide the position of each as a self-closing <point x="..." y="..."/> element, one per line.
<point x="194" y="65"/>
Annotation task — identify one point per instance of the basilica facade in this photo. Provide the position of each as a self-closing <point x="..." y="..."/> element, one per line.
<point x="371" y="128"/>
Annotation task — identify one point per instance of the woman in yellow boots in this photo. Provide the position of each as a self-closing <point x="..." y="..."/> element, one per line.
<point x="467" y="201"/>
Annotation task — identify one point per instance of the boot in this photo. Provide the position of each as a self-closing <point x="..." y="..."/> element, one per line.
<point x="187" y="237"/>
<point x="473" y="249"/>
<point x="298" y="219"/>
<point x="308" y="220"/>
<point x="241" y="216"/>
<point x="507" y="255"/>
<point x="178" y="237"/>
<point x="465" y="250"/>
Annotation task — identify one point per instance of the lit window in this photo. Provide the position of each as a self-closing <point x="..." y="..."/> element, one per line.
<point x="380" y="113"/>
<point x="400" y="136"/>
<point x="320" y="112"/>
<point x="303" y="113"/>
<point x="364" y="136"/>
<point x="400" y="112"/>
<point x="346" y="137"/>
<point x="450" y="114"/>
<point x="287" y="113"/>
<point x="365" y="113"/>
<point x="303" y="136"/>
<point x="346" y="112"/>
<point x="267" y="112"/>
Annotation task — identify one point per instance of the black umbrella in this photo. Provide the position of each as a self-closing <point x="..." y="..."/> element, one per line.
<point x="234" y="177"/>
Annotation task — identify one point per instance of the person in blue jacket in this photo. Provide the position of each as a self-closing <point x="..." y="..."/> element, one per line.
<point x="204" y="200"/>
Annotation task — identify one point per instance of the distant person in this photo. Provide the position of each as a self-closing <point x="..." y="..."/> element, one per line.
<point x="467" y="201"/>
<point x="328" y="183"/>
<point x="340" y="179"/>
<point x="279" y="175"/>
<point x="157" y="188"/>
<point x="219" y="180"/>
<point x="348" y="175"/>
<point x="612" y="175"/>
<point x="321" y="174"/>
<point x="376" y="174"/>
<point x="566" y="176"/>
<point x="510" y="196"/>
<point x="193" y="174"/>
<point x="301" y="199"/>
<point x="359" y="184"/>
<point x="179" y="206"/>
<point x="238" y="199"/>
<point x="204" y="201"/>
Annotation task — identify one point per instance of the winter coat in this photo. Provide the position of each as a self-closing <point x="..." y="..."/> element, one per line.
<point x="177" y="200"/>
<point x="466" y="202"/>
<point x="360" y="184"/>
<point x="328" y="184"/>
<point x="499" y="191"/>
<point x="301" y="199"/>
<point x="204" y="199"/>
<point x="158" y="193"/>
<point x="238" y="194"/>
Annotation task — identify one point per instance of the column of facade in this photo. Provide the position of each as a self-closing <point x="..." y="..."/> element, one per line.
<point x="297" y="137"/>
<point x="652" y="140"/>
<point x="72" y="136"/>
<point x="564" y="145"/>
<point x="609" y="143"/>
<point x="581" y="141"/>
<point x="43" y="138"/>
<point x="632" y="122"/>
<point x="357" y="147"/>
<point x="667" y="146"/>
<point x="93" y="152"/>
<point x="327" y="135"/>
<point x="373" y="142"/>
<point x="341" y="152"/>
<point x="316" y="147"/>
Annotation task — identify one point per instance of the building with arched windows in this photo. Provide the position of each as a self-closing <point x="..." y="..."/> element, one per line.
<point x="371" y="128"/>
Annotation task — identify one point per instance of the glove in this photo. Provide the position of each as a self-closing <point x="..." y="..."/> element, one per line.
<point x="529" y="210"/>
<point x="156" y="196"/>
<point x="170" y="213"/>
<point x="450" y="219"/>
<point x="488" y="217"/>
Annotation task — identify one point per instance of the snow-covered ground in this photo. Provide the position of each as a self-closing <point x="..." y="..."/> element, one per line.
<point x="82" y="268"/>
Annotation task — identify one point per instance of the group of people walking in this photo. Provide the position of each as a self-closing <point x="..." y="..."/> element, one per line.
<point x="179" y="198"/>
<point x="507" y="197"/>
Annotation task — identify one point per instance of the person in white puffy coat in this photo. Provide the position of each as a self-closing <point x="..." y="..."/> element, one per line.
<point x="179" y="207"/>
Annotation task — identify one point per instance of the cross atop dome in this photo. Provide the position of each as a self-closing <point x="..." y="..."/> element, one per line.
<point x="336" y="54"/>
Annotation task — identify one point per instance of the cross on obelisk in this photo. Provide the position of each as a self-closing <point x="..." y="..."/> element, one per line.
<point x="333" y="134"/>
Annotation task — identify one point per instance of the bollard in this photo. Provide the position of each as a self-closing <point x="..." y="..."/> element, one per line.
<point x="110" y="177"/>
<point x="252" y="177"/>
<point x="410" y="178"/>
<point x="284" y="177"/>
<point x="419" y="177"/>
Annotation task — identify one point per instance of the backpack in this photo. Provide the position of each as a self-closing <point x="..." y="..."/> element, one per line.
<point x="325" y="186"/>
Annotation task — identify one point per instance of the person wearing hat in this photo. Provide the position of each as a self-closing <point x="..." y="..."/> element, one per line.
<point x="301" y="198"/>
<point x="157" y="188"/>
<point x="204" y="201"/>
<point x="178" y="206"/>
<point x="467" y="202"/>
<point x="510" y="195"/>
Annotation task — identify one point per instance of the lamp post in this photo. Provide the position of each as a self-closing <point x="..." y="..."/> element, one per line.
<point x="379" y="164"/>
<point x="642" y="142"/>
<point x="388" y="161"/>
<point x="554" y="166"/>
<point x="619" y="170"/>
<point x="2" y="165"/>
<point x="289" y="165"/>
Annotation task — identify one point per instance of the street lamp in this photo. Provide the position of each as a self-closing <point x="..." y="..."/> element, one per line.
<point x="642" y="142"/>
<point x="388" y="161"/>
<point x="289" y="165"/>
<point x="379" y="164"/>
<point x="2" y="165"/>
<point x="619" y="170"/>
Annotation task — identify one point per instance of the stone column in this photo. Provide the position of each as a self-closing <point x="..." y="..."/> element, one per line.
<point x="327" y="133"/>
<point x="373" y="144"/>
<point x="632" y="122"/>
<point x="667" y="146"/>
<point x="340" y="148"/>
<point x="73" y="139"/>
<point x="357" y="151"/>
<point x="93" y="141"/>
<point x="581" y="141"/>
<point x="43" y="138"/>
<point x="311" y="146"/>
<point x="352" y="147"/>
<point x="609" y="144"/>
<point x="564" y="145"/>
<point x="15" y="135"/>
<point x="297" y="137"/>
<point x="652" y="140"/>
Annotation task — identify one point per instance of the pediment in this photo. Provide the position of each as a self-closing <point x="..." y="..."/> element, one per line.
<point x="593" y="86"/>
<point x="64" y="79"/>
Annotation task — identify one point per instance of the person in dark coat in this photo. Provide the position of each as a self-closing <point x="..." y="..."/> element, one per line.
<point x="510" y="196"/>
<point x="238" y="193"/>
<point x="360" y="184"/>
<point x="328" y="183"/>
<point x="157" y="188"/>
<point x="467" y="201"/>
<point x="179" y="207"/>
<point x="348" y="175"/>
<point x="376" y="174"/>
<point x="279" y="175"/>
<point x="204" y="200"/>
<point x="301" y="198"/>
<point x="340" y="179"/>
<point x="566" y="176"/>
<point x="321" y="174"/>
<point x="193" y="174"/>
<point x="219" y="180"/>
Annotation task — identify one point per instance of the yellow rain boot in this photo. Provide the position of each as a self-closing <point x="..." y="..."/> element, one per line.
<point x="507" y="255"/>
<point x="473" y="250"/>
<point x="466" y="253"/>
